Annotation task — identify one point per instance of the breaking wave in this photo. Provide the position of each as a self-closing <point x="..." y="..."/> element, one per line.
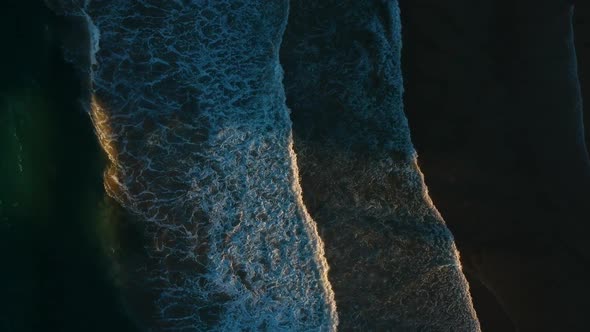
<point x="188" y="104"/>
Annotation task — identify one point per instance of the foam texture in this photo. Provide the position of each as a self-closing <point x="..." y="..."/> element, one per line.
<point x="189" y="106"/>
<point x="394" y="264"/>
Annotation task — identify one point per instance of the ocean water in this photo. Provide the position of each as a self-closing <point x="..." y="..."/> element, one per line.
<point x="149" y="178"/>
<point x="201" y="225"/>
<point x="55" y="274"/>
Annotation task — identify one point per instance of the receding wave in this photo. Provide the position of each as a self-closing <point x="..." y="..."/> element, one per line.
<point x="394" y="265"/>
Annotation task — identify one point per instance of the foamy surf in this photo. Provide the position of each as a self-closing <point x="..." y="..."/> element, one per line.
<point x="188" y="104"/>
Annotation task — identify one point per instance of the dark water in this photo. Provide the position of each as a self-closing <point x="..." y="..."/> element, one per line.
<point x="54" y="275"/>
<point x="57" y="230"/>
<point x="492" y="100"/>
<point x="582" y="37"/>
